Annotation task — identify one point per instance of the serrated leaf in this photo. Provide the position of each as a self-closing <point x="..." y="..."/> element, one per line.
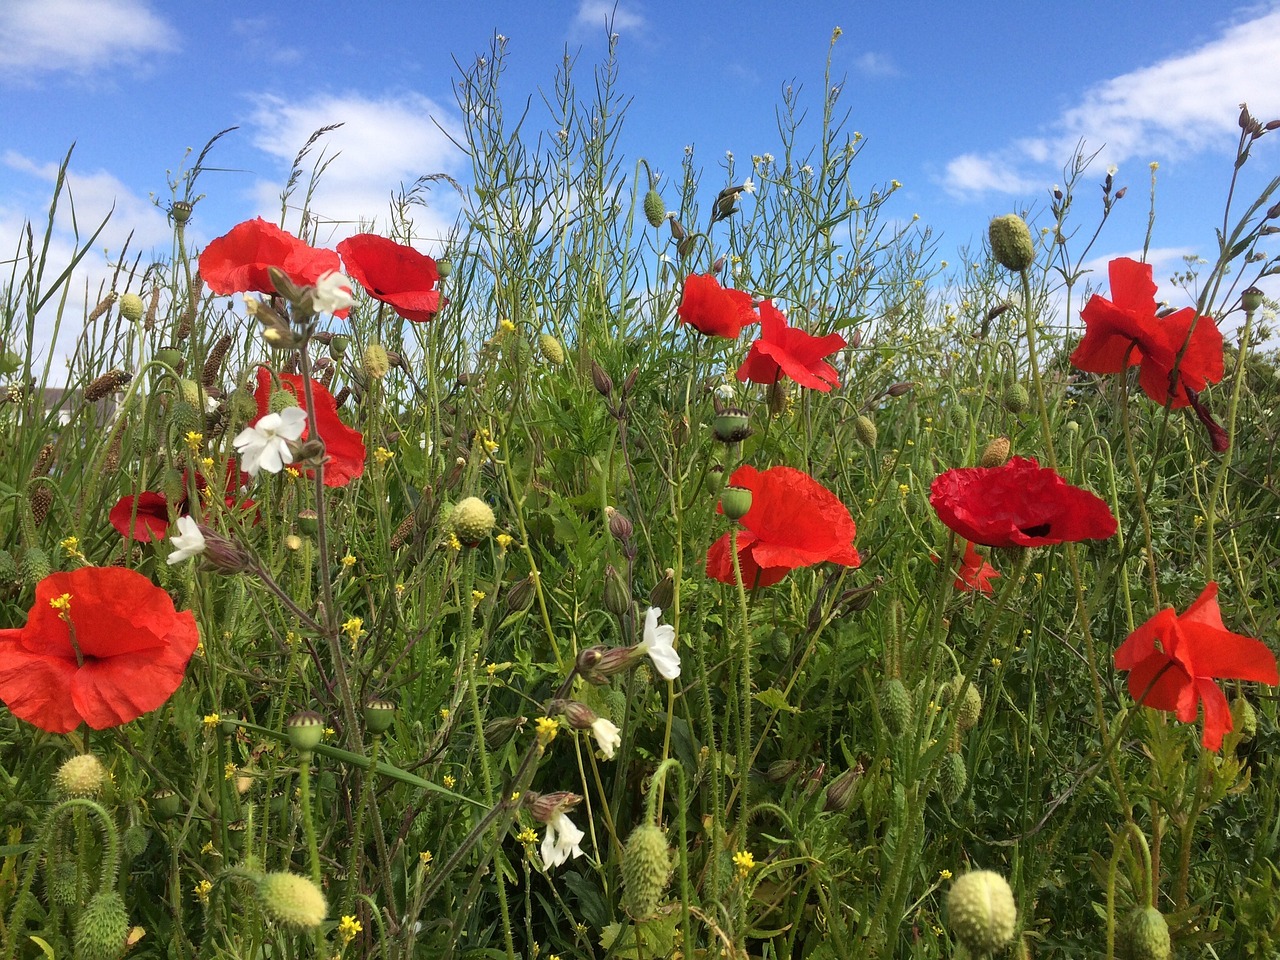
<point x="775" y="699"/>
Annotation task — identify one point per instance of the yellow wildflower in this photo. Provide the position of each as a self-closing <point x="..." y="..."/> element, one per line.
<point x="202" y="890"/>
<point x="745" y="862"/>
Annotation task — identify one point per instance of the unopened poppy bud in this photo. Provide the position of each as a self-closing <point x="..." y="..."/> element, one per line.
<point x="102" y="927"/>
<point x="953" y="778"/>
<point x="551" y="349"/>
<point x="901" y="388"/>
<point x="663" y="593"/>
<point x="865" y="430"/>
<point x="777" y="397"/>
<point x="601" y="380"/>
<point x="646" y="870"/>
<point x="731" y="425"/>
<point x="995" y="453"/>
<point x="1011" y="243"/>
<point x="981" y="912"/>
<point x="520" y="595"/>
<point x="1251" y="299"/>
<point x="1016" y="398"/>
<point x="131" y="307"/>
<point x="617" y="595"/>
<point x="1144" y="935"/>
<point x="378" y="715"/>
<point x="472" y="520"/>
<point x="619" y="526"/>
<point x="375" y="362"/>
<point x="545" y="807"/>
<point x="1244" y="719"/>
<point x="735" y="502"/>
<point x="292" y="900"/>
<point x="81" y="776"/>
<point x="895" y="706"/>
<point x="305" y="729"/>
<point x="655" y="211"/>
<point x="841" y="791"/>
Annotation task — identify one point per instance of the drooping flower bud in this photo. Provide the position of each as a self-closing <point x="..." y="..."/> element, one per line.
<point x="102" y="927"/>
<point x="865" y="430"/>
<point x="655" y="211"/>
<point x="646" y="870"/>
<point x="545" y="807"/>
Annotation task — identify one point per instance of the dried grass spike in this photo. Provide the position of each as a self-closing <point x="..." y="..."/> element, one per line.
<point x="152" y="308"/>
<point x="103" y="306"/>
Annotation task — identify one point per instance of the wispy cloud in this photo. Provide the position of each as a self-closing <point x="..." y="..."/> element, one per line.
<point x="594" y="16"/>
<point x="876" y="65"/>
<point x="1177" y="107"/>
<point x="384" y="143"/>
<point x="40" y="37"/>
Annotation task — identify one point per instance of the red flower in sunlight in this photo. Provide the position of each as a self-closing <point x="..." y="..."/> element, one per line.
<point x="975" y="574"/>
<point x="395" y="274"/>
<point x="102" y="646"/>
<point x="712" y="309"/>
<point x="1020" y="504"/>
<point x="150" y="522"/>
<point x="787" y="350"/>
<point x="343" y="446"/>
<point x="1174" y="660"/>
<point x="794" y="521"/>
<point x="1126" y="330"/>
<point x="237" y="261"/>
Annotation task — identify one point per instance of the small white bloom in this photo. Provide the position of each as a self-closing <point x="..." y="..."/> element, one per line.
<point x="187" y="542"/>
<point x="265" y="445"/>
<point x="1112" y="170"/>
<point x="725" y="391"/>
<point x="659" y="643"/>
<point x="332" y="293"/>
<point x="608" y="739"/>
<point x="748" y="186"/>
<point x="768" y="158"/>
<point x="561" y="841"/>
<point x="807" y="170"/>
<point x="728" y="155"/>
<point x="210" y="404"/>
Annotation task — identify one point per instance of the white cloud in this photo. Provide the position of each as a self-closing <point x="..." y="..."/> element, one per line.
<point x="876" y="65"/>
<point x="383" y="144"/>
<point x="1174" y="108"/>
<point x="597" y="15"/>
<point x="79" y="36"/>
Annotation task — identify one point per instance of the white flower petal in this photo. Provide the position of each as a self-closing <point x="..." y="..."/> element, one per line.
<point x="561" y="841"/>
<point x="187" y="542"/>
<point x="608" y="739"/>
<point x="659" y="644"/>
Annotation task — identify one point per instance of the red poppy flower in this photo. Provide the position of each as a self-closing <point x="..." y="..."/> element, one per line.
<point x="787" y="350"/>
<point x="149" y="522"/>
<point x="395" y="274"/>
<point x="1127" y="327"/>
<point x="975" y="574"/>
<point x="794" y="521"/>
<point x="1179" y="657"/>
<point x="343" y="445"/>
<point x="238" y="260"/>
<point x="127" y="655"/>
<point x="1020" y="504"/>
<point x="712" y="309"/>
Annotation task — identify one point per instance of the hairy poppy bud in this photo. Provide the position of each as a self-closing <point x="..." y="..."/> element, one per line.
<point x="981" y="912"/>
<point x="1011" y="242"/>
<point x="1146" y="934"/>
<point x="655" y="211"/>
<point x="646" y="869"/>
<point x="472" y="520"/>
<point x="131" y="307"/>
<point x="81" y="776"/>
<point x="375" y="362"/>
<point x="551" y="349"/>
<point x="952" y="778"/>
<point x="292" y="900"/>
<point x="865" y="430"/>
<point x="102" y="927"/>
<point x="1016" y="398"/>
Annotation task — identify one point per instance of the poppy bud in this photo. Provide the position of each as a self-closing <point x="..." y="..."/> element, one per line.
<point x="655" y="211"/>
<point x="1016" y="398"/>
<point x="646" y="870"/>
<point x="375" y="362"/>
<point x="865" y="430"/>
<point x="1011" y="242"/>
<point x="102" y="927"/>
<point x="305" y="729"/>
<point x="472" y="520"/>
<point x="1244" y="719"/>
<point x="952" y="778"/>
<point x="550" y="349"/>
<point x="617" y="595"/>
<point x="895" y="706"/>
<point x="378" y="715"/>
<point x="664" y="591"/>
<point x="1145" y="933"/>
<point x="81" y="776"/>
<point x="601" y="379"/>
<point x="735" y="502"/>
<point x="731" y="425"/>
<point x="292" y="900"/>
<point x="981" y="911"/>
<point x="131" y="307"/>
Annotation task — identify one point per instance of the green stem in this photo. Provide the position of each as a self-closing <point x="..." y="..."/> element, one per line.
<point x="1220" y="482"/>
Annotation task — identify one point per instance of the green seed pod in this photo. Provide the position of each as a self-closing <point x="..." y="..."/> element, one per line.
<point x="735" y="502"/>
<point x="305" y="729"/>
<point x="165" y="804"/>
<point x="378" y="715"/>
<point x="655" y="211"/>
<point x="646" y="869"/>
<point x="1016" y="398"/>
<point x="617" y="595"/>
<point x="865" y="429"/>
<point x="895" y="706"/>
<point x="731" y="425"/>
<point x="102" y="928"/>
<point x="1011" y="242"/>
<point x="952" y="778"/>
<point x="981" y="912"/>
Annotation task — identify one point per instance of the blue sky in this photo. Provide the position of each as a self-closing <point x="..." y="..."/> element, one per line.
<point x="974" y="108"/>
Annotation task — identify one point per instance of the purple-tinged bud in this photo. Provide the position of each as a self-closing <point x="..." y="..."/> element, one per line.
<point x="900" y="389"/>
<point x="545" y="807"/>
<point x="601" y="379"/>
<point x="619" y="525"/>
<point x="842" y="789"/>
<point x="578" y="715"/>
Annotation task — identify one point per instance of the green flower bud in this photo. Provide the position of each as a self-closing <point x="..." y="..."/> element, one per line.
<point x="131" y="307"/>
<point x="102" y="928"/>
<point x="981" y="912"/>
<point x="655" y="211"/>
<point x="376" y="363"/>
<point x="895" y="706"/>
<point x="472" y="520"/>
<point x="1016" y="398"/>
<point x="646" y="869"/>
<point x="292" y="900"/>
<point x="952" y="778"/>
<point x="81" y="776"/>
<point x="865" y="429"/>
<point x="1011" y="242"/>
<point x="1147" y="935"/>
<point x="550" y="349"/>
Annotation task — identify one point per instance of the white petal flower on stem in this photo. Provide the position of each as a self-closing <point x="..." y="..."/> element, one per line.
<point x="332" y="293"/>
<point x="659" y="643"/>
<point x="749" y="186"/>
<point x="265" y="445"/>
<point x="608" y="739"/>
<point x="187" y="542"/>
<point x="561" y="841"/>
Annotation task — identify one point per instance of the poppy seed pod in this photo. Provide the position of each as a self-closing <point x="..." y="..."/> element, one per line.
<point x="1251" y="299"/>
<point x="735" y="502"/>
<point x="1011" y="243"/>
<point x="180" y="211"/>
<point x="378" y="715"/>
<point x="305" y="729"/>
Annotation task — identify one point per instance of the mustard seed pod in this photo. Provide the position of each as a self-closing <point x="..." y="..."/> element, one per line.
<point x="305" y="729"/>
<point x="731" y="425"/>
<point x="102" y="927"/>
<point x="551" y="349"/>
<point x="378" y="715"/>
<point x="375" y="362"/>
<point x="646" y="870"/>
<point x="105" y="385"/>
<point x="292" y="900"/>
<point x="131" y="307"/>
<point x="617" y="594"/>
<point x="865" y="430"/>
<point x="995" y="453"/>
<point x="981" y="912"/>
<point x="81" y="776"/>
<point x="735" y="502"/>
<point x="655" y="211"/>
<point x="213" y="362"/>
<point x="1011" y="243"/>
<point x="663" y="593"/>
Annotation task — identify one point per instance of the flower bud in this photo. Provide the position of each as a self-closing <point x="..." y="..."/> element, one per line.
<point x="664" y="591"/>
<point x="81" y="776"/>
<point x="1016" y="398"/>
<point x="646" y="870"/>
<point x="895" y="706"/>
<point x="102" y="927"/>
<point x="375" y="361"/>
<point x="735" y="502"/>
<point x="601" y="379"/>
<point x="1011" y="242"/>
<point x="550" y="349"/>
<point x="1146" y="934"/>
<point x="619" y="525"/>
<point x="597" y="664"/>
<point x="952" y="778"/>
<point x="305" y="729"/>
<point x="292" y="900"/>
<point x="900" y="389"/>
<point x="520" y="595"/>
<point x="617" y="594"/>
<point x="472" y="520"/>
<point x="545" y="807"/>
<point x="981" y="912"/>
<point x="841" y="790"/>
<point x="498" y="732"/>
<point x="865" y="430"/>
<point x="131" y="307"/>
<point x="578" y="715"/>
<point x="1244" y="719"/>
<point x="782" y="770"/>
<point x="655" y="211"/>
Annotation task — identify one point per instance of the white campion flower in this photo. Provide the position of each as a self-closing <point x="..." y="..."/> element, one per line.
<point x="561" y="841"/>
<point x="187" y="542"/>
<point x="265" y="445"/>
<point x="749" y="186"/>
<point x="658" y="643"/>
<point x="332" y="293"/>
<point x="608" y="739"/>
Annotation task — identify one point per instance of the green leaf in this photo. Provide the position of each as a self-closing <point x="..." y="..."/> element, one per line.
<point x="775" y="699"/>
